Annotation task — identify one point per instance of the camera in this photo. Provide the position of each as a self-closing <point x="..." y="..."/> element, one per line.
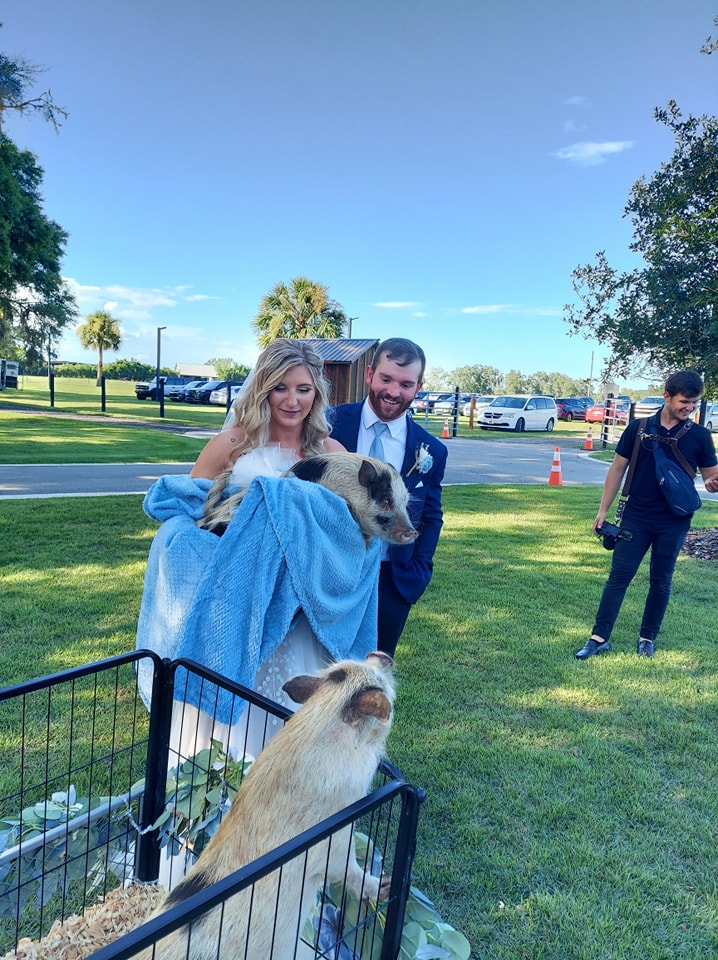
<point x="611" y="533"/>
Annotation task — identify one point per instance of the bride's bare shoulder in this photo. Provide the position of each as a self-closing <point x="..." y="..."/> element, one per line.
<point x="333" y="446"/>
<point x="218" y="453"/>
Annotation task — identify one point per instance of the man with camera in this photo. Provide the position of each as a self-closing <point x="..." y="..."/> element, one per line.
<point x="648" y="522"/>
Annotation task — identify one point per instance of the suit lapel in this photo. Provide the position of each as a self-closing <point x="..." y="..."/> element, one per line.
<point x="354" y="424"/>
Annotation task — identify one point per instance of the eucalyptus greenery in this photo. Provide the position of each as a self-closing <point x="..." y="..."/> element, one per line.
<point x="67" y="838"/>
<point x="425" y="936"/>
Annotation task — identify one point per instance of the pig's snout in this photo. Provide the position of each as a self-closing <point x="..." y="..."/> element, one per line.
<point x="395" y="530"/>
<point x="406" y="536"/>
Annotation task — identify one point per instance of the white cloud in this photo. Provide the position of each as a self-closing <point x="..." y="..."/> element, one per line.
<point x="395" y="304"/>
<point x="489" y="308"/>
<point x="587" y="153"/>
<point x="575" y="101"/>
<point x="131" y="303"/>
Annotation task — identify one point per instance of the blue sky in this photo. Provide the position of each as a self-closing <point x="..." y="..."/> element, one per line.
<point x="442" y="165"/>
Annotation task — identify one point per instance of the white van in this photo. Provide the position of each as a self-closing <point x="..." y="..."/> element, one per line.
<point x="519" y="412"/>
<point x="9" y="373"/>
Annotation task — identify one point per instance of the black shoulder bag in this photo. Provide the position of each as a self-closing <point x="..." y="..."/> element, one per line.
<point x="676" y="482"/>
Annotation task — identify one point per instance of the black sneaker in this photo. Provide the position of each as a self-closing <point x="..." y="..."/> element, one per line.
<point x="592" y="647"/>
<point x="645" y="648"/>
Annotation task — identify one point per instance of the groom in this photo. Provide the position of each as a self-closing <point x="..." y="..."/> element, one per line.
<point x="379" y="427"/>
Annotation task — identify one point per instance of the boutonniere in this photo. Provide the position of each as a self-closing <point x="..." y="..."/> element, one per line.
<point x="424" y="460"/>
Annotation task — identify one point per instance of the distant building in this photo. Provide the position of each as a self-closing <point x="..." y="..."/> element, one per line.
<point x="345" y="361"/>
<point x="199" y="371"/>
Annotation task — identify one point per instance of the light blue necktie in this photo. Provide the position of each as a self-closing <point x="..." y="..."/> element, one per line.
<point x="377" y="447"/>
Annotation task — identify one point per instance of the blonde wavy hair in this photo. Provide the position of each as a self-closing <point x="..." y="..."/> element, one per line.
<point x="251" y="412"/>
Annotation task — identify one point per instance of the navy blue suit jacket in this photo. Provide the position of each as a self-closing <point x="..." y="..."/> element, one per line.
<point x="411" y="565"/>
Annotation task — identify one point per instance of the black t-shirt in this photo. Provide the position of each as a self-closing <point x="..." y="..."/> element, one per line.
<point x="644" y="497"/>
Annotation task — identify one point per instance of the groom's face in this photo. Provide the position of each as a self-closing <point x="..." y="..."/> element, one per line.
<point x="392" y="387"/>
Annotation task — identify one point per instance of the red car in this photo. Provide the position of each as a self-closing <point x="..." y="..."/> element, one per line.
<point x="596" y="413"/>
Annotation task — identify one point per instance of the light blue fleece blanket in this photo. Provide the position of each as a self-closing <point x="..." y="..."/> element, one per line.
<point x="229" y="601"/>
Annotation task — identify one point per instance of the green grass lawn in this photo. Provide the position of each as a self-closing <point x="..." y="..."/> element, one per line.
<point x="571" y="807"/>
<point x="47" y="439"/>
<point x="85" y="397"/>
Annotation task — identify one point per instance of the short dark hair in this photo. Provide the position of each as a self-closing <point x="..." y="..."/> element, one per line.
<point x="402" y="351"/>
<point x="686" y="382"/>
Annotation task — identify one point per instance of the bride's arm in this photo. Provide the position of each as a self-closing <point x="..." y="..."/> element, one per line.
<point x="217" y="454"/>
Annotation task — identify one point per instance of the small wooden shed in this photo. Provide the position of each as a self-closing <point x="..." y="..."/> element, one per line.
<point x="345" y="362"/>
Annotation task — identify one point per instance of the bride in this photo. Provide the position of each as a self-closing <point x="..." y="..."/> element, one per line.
<point x="278" y="418"/>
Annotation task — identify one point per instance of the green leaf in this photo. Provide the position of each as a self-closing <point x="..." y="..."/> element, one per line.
<point x="457" y="944"/>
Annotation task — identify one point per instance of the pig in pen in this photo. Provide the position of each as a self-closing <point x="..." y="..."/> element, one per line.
<point x="117" y="797"/>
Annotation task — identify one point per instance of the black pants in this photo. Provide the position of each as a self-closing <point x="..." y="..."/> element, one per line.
<point x="664" y="541"/>
<point x="393" y="611"/>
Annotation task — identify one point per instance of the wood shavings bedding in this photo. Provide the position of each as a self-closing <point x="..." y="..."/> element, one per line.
<point x="80" y="936"/>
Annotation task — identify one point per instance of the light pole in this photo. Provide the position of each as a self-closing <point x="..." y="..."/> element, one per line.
<point x="158" y="382"/>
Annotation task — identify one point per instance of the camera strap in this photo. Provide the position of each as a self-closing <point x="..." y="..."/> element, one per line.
<point x="673" y="443"/>
<point x="623" y="499"/>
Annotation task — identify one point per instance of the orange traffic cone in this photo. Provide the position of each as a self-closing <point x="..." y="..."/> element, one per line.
<point x="588" y="445"/>
<point x="555" y="479"/>
<point x="445" y="431"/>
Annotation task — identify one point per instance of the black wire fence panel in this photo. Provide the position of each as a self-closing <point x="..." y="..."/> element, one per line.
<point x="99" y="792"/>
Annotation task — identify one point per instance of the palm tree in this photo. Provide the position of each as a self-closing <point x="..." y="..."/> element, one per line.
<point x="100" y="332"/>
<point x="299" y="310"/>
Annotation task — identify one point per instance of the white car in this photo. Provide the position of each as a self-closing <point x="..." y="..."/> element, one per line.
<point x="520" y="412"/>
<point x="647" y="407"/>
<point x="445" y="408"/>
<point x="711" y="420"/>
<point x="220" y="396"/>
<point x="479" y="403"/>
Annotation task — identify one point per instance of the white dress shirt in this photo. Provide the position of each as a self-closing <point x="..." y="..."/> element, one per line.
<point x="394" y="440"/>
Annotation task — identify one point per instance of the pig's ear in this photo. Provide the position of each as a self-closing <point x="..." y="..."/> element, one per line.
<point x="367" y="473"/>
<point x="367" y="703"/>
<point x="383" y="660"/>
<point x="302" y="687"/>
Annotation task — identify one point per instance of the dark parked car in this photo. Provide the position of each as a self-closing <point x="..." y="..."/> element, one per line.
<point x="429" y="400"/>
<point x="179" y="393"/>
<point x="570" y="408"/>
<point x="148" y="391"/>
<point x="201" y="393"/>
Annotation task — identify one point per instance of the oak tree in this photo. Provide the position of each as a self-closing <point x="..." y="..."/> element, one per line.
<point x="662" y="315"/>
<point x="35" y="301"/>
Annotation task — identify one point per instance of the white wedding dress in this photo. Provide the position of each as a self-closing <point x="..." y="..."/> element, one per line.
<point x="299" y="652"/>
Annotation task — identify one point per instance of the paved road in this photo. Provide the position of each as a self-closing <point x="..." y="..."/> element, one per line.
<point x="523" y="460"/>
<point x="470" y="461"/>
